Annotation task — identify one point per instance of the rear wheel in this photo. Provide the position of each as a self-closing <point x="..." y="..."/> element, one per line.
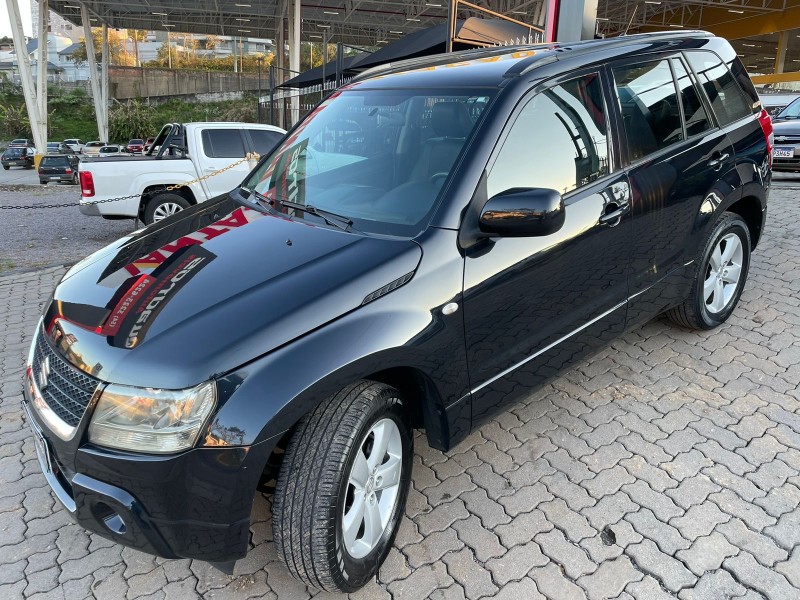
<point x="342" y="488"/>
<point x="163" y="206"/>
<point x="42" y="182"/>
<point x="75" y="179"/>
<point x="6" y="167"/>
<point x="719" y="278"/>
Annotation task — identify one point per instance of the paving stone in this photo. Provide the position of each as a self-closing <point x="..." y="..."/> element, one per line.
<point x="762" y="547"/>
<point x="691" y="491"/>
<point x="667" y="538"/>
<point x="707" y="553"/>
<point x="765" y="581"/>
<point x="571" y="558"/>
<point x="448" y="489"/>
<point x="786" y="531"/>
<point x="394" y="567"/>
<point x="572" y="523"/>
<point x="647" y="589"/>
<point x="699" y="520"/>
<point x="791" y="568"/>
<point x="661" y="505"/>
<point x="554" y="585"/>
<point x="475" y="580"/>
<point x="657" y="478"/>
<point x="523" y="528"/>
<point x="525" y="499"/>
<point x="602" y="547"/>
<point x="575" y="496"/>
<point x="610" y="578"/>
<point x="754" y="516"/>
<point x="483" y="542"/>
<point x="606" y="457"/>
<point x="490" y="513"/>
<point x="608" y="482"/>
<point x="442" y="517"/>
<point x="432" y="548"/>
<point x="718" y="585"/>
<point x="516" y="563"/>
<point x="672" y="573"/>
<point x="686" y="464"/>
<point x="517" y="590"/>
<point x="780" y="500"/>
<point x="422" y="582"/>
<point x="609" y="509"/>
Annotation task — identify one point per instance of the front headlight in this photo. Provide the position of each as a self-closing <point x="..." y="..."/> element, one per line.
<point x="151" y="420"/>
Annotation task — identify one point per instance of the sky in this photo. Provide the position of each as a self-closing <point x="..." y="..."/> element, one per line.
<point x="5" y="19"/>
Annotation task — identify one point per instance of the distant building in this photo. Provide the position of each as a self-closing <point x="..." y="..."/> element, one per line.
<point x="58" y="24"/>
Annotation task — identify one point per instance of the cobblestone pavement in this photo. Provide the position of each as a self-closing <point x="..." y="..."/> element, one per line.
<point x="667" y="465"/>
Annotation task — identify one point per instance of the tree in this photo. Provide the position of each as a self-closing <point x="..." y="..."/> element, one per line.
<point x="116" y="45"/>
<point x="137" y="35"/>
<point x="130" y="120"/>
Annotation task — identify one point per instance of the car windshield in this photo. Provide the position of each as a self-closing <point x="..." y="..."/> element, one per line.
<point x="790" y="112"/>
<point x="377" y="157"/>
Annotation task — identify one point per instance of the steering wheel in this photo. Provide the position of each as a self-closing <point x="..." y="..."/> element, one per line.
<point x="432" y="179"/>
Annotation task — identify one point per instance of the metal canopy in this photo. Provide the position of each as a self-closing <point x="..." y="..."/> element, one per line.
<point x="358" y="22"/>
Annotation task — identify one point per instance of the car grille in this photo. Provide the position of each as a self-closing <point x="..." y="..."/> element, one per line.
<point x="787" y="139"/>
<point x="68" y="390"/>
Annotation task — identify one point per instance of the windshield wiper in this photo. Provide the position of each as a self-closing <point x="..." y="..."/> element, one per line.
<point x="330" y="218"/>
<point x="256" y="197"/>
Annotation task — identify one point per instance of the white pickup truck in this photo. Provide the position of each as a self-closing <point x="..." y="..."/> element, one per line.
<point x="180" y="154"/>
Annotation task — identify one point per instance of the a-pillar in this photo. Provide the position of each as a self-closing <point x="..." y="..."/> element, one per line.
<point x="25" y="73"/>
<point x="41" y="77"/>
<point x="94" y="79"/>
<point x="570" y="20"/>
<point x="780" y="57"/>
<point x="294" y="53"/>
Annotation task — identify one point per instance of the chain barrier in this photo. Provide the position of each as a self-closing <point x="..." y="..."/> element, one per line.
<point x="250" y="156"/>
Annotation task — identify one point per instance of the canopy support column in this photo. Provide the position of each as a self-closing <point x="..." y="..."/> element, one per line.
<point x="94" y="80"/>
<point x="294" y="54"/>
<point x="25" y="73"/>
<point x="780" y="57"/>
<point x="41" y="78"/>
<point x="104" y="81"/>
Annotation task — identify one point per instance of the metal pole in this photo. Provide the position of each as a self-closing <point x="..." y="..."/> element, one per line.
<point x="452" y="7"/>
<point x="339" y="63"/>
<point x="324" y="63"/>
<point x="44" y="55"/>
<point x="169" y="50"/>
<point x="259" y="60"/>
<point x="94" y="80"/>
<point x="272" y="94"/>
<point x="25" y="73"/>
<point x="104" y="82"/>
<point x="294" y="54"/>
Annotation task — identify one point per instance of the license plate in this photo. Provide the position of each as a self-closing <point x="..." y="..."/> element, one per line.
<point x="42" y="451"/>
<point x="783" y="152"/>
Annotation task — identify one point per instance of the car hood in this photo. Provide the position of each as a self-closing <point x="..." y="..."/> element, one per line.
<point x="210" y="289"/>
<point x="786" y="128"/>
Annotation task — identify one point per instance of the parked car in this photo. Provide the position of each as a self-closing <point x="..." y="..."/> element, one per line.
<point x="20" y="143"/>
<point x="113" y="150"/>
<point x="148" y="143"/>
<point x="17" y="156"/>
<point x="774" y="103"/>
<point x="180" y="154"/>
<point x="788" y="113"/>
<point x="786" y="152"/>
<point x="426" y="247"/>
<point x="136" y="146"/>
<point x="59" y="168"/>
<point x="58" y="148"/>
<point x="75" y="144"/>
<point x="93" y="148"/>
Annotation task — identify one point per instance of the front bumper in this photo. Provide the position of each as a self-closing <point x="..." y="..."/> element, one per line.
<point x="196" y="504"/>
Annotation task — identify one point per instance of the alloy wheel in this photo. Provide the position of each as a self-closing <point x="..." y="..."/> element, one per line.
<point x="723" y="272"/>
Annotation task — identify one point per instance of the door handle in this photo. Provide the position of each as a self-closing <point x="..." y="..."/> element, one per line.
<point x="717" y="162"/>
<point x="614" y="213"/>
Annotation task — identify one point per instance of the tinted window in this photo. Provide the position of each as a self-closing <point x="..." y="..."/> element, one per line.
<point x="223" y="143"/>
<point x="649" y="104"/>
<point x="694" y="113"/>
<point x="264" y="141"/>
<point x="727" y="99"/>
<point x="54" y="161"/>
<point x="558" y="141"/>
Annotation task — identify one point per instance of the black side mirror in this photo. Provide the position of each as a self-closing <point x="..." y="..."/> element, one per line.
<point x="523" y="212"/>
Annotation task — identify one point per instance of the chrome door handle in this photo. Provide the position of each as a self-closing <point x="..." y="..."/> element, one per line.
<point x="612" y="218"/>
<point x="717" y="162"/>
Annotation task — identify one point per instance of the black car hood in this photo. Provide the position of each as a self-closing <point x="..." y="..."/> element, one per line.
<point x="210" y="289"/>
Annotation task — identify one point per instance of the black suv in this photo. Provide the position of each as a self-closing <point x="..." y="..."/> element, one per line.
<point x="59" y="168"/>
<point x="434" y="240"/>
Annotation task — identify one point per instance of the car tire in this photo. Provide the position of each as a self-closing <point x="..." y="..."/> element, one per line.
<point x="716" y="288"/>
<point x="328" y="528"/>
<point x="162" y="206"/>
<point x="42" y="182"/>
<point x="6" y="167"/>
<point x="75" y="179"/>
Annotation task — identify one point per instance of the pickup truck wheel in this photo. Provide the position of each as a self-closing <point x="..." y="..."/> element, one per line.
<point x="719" y="276"/>
<point x="342" y="487"/>
<point x="163" y="206"/>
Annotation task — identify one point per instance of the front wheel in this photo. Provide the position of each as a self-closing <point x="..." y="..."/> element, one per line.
<point x="719" y="277"/>
<point x="342" y="487"/>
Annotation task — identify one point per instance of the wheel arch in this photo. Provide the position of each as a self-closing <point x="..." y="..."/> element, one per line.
<point x="749" y="209"/>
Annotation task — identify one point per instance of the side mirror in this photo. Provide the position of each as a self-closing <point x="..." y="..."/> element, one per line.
<point x="523" y="212"/>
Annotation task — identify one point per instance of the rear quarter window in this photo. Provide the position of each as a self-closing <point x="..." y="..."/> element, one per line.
<point x="727" y="99"/>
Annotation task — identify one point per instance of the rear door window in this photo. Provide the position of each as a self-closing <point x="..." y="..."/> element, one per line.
<point x="649" y="104"/>
<point x="223" y="143"/>
<point x="695" y="117"/>
<point x="727" y="99"/>
<point x="264" y="140"/>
